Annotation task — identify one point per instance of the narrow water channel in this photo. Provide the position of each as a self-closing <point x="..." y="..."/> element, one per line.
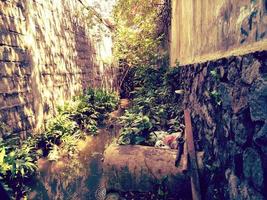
<point x="77" y="178"/>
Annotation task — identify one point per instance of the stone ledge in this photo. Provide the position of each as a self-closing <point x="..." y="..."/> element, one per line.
<point x="141" y="168"/>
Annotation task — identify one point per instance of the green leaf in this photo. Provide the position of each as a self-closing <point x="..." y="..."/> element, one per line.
<point x="22" y="172"/>
<point x="2" y="155"/>
<point x="138" y="139"/>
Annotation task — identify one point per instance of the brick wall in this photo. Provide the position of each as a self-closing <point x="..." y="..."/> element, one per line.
<point x="47" y="55"/>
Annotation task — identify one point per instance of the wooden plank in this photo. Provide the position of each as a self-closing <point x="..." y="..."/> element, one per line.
<point x="185" y="160"/>
<point x="195" y="186"/>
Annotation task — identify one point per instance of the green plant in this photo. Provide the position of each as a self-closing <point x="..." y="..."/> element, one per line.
<point x="84" y="114"/>
<point x="17" y="164"/>
<point x="18" y="158"/>
<point x="4" y="166"/>
<point x="153" y="96"/>
<point x="102" y="100"/>
<point x="62" y="124"/>
<point x="81" y="113"/>
<point x="90" y="109"/>
<point x="214" y="94"/>
<point x="216" y="97"/>
<point x="137" y="36"/>
<point x="215" y="75"/>
<point x="136" y="128"/>
<point x="69" y="143"/>
<point x="54" y="153"/>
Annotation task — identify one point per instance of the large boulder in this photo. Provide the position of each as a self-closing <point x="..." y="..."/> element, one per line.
<point x="142" y="168"/>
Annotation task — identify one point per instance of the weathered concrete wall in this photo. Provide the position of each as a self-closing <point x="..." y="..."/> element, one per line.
<point x="211" y="29"/>
<point x="228" y="102"/>
<point x="47" y="55"/>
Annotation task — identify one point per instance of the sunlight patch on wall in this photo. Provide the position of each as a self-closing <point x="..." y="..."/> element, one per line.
<point x="48" y="54"/>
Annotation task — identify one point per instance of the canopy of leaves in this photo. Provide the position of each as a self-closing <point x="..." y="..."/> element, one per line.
<point x="136" y="41"/>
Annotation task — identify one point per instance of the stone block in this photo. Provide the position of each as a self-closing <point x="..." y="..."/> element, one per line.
<point x="239" y="130"/>
<point x="260" y="138"/>
<point x="257" y="101"/>
<point x="239" y="98"/>
<point x="4" y="53"/>
<point x="252" y="167"/>
<point x="250" y="71"/>
<point x="233" y="72"/>
<point x="225" y="92"/>
<point x="140" y="168"/>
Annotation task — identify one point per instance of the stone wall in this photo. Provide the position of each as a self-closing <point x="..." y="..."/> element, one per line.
<point x="211" y="29"/>
<point x="228" y="102"/>
<point x="48" y="54"/>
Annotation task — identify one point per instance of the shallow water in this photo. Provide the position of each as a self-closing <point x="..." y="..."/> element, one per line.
<point x="76" y="178"/>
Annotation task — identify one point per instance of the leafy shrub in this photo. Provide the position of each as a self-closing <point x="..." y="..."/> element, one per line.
<point x="153" y="97"/>
<point x="17" y="165"/>
<point x="81" y="113"/>
<point x="138" y="34"/>
<point x="136" y="128"/>
<point x="84" y="114"/>
<point x="102" y="101"/>
<point x="18" y="158"/>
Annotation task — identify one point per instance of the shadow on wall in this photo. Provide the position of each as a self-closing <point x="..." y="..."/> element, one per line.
<point x="94" y="70"/>
<point x="86" y="55"/>
<point x="46" y="58"/>
<point x="16" y="96"/>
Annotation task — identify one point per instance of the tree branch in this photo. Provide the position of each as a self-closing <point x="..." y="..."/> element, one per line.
<point x="105" y="22"/>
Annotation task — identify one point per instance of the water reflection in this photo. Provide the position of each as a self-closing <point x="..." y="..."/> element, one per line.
<point x="76" y="178"/>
